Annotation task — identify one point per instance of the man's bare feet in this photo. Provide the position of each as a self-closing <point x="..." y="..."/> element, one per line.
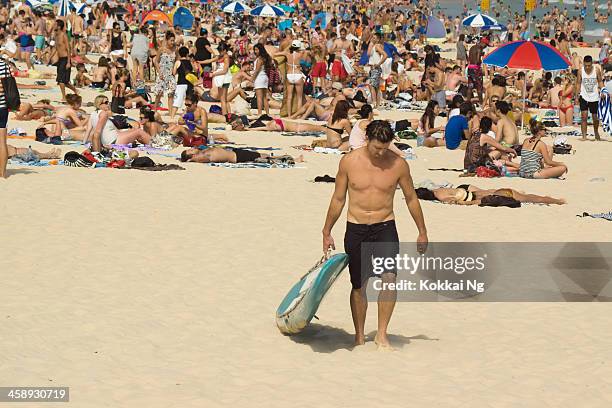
<point x="299" y="159"/>
<point x="382" y="342"/>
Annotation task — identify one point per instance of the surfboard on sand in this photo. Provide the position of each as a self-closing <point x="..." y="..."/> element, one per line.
<point x="301" y="303"/>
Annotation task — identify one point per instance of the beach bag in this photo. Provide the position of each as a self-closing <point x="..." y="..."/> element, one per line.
<point x="273" y="75"/>
<point x="192" y="78"/>
<point x="11" y="93"/>
<point x="193" y="141"/>
<point x="215" y="109"/>
<point x="486" y="172"/>
<point x="120" y="122"/>
<point x="499" y="201"/>
<point x="143" y="162"/>
<point x="206" y="80"/>
<point x="562" y="148"/>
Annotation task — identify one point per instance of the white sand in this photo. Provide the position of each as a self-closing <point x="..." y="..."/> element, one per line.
<point x="141" y="289"/>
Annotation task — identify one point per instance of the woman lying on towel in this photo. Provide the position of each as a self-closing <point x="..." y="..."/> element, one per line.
<point x="277" y="125"/>
<point x="466" y="194"/>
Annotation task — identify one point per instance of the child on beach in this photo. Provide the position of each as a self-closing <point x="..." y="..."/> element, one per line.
<point x="81" y="79"/>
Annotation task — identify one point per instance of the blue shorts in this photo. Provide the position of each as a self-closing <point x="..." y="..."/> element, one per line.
<point x="39" y="42"/>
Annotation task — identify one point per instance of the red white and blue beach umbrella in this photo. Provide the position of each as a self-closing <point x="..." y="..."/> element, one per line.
<point x="234" y="7"/>
<point x="267" y="10"/>
<point x="532" y="55"/>
<point x="478" y="20"/>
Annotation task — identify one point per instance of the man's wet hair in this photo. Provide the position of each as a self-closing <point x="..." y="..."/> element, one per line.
<point x="588" y="58"/>
<point x="380" y="130"/>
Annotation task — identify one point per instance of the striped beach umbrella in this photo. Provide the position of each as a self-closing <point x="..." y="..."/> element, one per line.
<point x="234" y="7"/>
<point x="63" y="8"/>
<point x="531" y="55"/>
<point x="267" y="10"/>
<point x="478" y="20"/>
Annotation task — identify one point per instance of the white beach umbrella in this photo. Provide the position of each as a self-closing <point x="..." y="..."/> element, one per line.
<point x="267" y="10"/>
<point x="63" y="8"/>
<point x="235" y="7"/>
<point x="478" y="20"/>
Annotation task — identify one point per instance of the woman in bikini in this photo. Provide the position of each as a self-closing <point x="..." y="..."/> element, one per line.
<point x="433" y="136"/>
<point x="337" y="125"/>
<point x="466" y="194"/>
<point x="536" y="156"/>
<point x="566" y="102"/>
<point x="295" y="76"/>
<point x="222" y="77"/>
<point x="70" y="118"/>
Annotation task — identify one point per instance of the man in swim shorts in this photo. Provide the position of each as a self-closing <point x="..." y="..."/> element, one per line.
<point x="231" y="155"/>
<point x="371" y="175"/>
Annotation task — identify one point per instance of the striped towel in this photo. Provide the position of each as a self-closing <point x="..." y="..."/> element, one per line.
<point x="605" y="216"/>
<point x="605" y="110"/>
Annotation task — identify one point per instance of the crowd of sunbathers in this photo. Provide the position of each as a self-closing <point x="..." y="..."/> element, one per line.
<point x="336" y="76"/>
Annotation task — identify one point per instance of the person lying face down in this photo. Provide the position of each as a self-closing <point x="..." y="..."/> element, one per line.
<point x="231" y="155"/>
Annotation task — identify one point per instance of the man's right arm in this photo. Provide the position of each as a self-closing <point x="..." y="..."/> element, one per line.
<point x="336" y="205"/>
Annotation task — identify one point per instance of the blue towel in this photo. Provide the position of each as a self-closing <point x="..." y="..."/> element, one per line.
<point x="605" y="110"/>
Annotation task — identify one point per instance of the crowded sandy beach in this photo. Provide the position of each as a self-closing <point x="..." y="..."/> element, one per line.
<point x="170" y="170"/>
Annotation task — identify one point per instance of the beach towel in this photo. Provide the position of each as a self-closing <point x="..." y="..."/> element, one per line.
<point x="313" y="134"/>
<point x="254" y="166"/>
<point x="38" y="163"/>
<point x="157" y="167"/>
<point x="348" y="64"/>
<point x="445" y="169"/>
<point x="327" y="150"/>
<point x="605" y="110"/>
<point x="605" y="216"/>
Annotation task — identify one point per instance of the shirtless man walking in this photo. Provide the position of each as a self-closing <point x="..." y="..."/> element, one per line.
<point x="64" y="53"/>
<point x="371" y="175"/>
<point x="341" y="46"/>
<point x="475" y="74"/>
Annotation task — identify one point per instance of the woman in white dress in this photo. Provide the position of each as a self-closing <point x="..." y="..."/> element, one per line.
<point x="260" y="79"/>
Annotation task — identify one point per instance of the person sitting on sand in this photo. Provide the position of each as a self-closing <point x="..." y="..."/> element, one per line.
<point x="457" y="129"/>
<point x="337" y="125"/>
<point x="70" y="118"/>
<point x="101" y="74"/>
<point x="536" y="157"/>
<point x="230" y="155"/>
<point x="433" y="134"/>
<point x="481" y="146"/>
<point x="507" y="131"/>
<point x="81" y="79"/>
<point x="358" y="137"/>
<point x="466" y="194"/>
<point x="194" y="122"/>
<point x="102" y="131"/>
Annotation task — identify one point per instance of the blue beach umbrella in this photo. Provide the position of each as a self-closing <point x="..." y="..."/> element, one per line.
<point x="321" y="19"/>
<point x="183" y="18"/>
<point x="495" y="27"/>
<point x="267" y="10"/>
<point x="478" y="20"/>
<point x="234" y="7"/>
